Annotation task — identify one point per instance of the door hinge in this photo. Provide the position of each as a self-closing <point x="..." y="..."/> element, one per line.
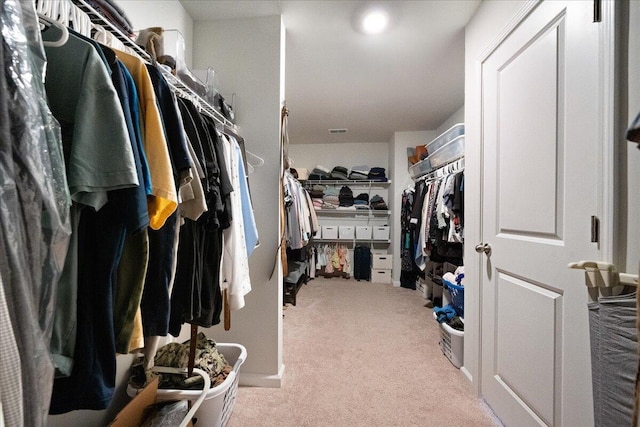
<point x="597" y="10"/>
<point x="595" y="229"/>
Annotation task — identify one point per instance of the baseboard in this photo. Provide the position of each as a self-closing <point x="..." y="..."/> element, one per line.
<point x="467" y="374"/>
<point x="262" y="380"/>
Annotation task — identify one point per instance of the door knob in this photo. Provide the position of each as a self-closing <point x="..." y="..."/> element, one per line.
<point x="486" y="248"/>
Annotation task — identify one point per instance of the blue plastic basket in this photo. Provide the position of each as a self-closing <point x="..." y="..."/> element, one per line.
<point x="457" y="296"/>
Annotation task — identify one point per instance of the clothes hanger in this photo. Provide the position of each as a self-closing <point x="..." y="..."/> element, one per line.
<point x="64" y="35"/>
<point x="253" y="159"/>
<point x="64" y="12"/>
<point x="81" y="22"/>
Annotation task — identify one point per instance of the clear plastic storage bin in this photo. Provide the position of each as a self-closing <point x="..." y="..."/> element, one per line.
<point x="420" y="168"/>
<point x="447" y="153"/>
<point x="446" y="137"/>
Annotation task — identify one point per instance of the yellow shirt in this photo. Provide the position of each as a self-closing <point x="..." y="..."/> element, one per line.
<point x="164" y="196"/>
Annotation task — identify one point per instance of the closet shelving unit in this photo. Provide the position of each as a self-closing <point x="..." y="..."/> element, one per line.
<point x="355" y="217"/>
<point x="358" y="227"/>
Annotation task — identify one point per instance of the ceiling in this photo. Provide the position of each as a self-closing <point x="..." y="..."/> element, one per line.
<point x="409" y="78"/>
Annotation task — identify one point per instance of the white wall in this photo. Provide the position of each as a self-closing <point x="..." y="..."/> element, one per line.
<point x="491" y="16"/>
<point x="168" y="14"/>
<point x="246" y="54"/>
<point x="454" y="119"/>
<point x="401" y="179"/>
<point x="334" y="154"/>
<point x="632" y="177"/>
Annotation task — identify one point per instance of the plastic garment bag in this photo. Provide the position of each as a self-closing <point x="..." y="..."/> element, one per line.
<point x="34" y="205"/>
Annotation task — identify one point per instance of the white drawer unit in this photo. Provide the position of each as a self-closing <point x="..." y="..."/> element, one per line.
<point x="382" y="261"/>
<point x="381" y="233"/>
<point x="380" y="275"/>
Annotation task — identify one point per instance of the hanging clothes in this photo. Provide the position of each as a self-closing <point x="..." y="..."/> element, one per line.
<point x="164" y="197"/>
<point x="408" y="269"/>
<point x="235" y="261"/>
<point x="113" y="176"/>
<point x="135" y="256"/>
<point x="432" y="224"/>
<point x="301" y="218"/>
<point x="196" y="295"/>
<point x="100" y="166"/>
<point x="34" y="219"/>
<point x="333" y="260"/>
<point x="155" y="300"/>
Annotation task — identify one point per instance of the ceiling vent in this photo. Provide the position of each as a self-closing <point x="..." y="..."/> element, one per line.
<point x="336" y="131"/>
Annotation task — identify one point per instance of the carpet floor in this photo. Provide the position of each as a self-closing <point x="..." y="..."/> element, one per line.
<point x="361" y="354"/>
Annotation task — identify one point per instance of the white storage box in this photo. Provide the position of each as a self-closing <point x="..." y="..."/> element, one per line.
<point x="346" y="232"/>
<point x="364" y="232"/>
<point x="381" y="233"/>
<point x="217" y="407"/>
<point x="318" y="234"/>
<point x="383" y="261"/>
<point x="380" y="276"/>
<point x="329" y="232"/>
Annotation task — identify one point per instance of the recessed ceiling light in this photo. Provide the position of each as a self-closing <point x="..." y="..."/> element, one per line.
<point x="376" y="17"/>
<point x="375" y="22"/>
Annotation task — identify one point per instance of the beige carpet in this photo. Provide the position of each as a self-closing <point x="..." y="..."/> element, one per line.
<point x="361" y="354"/>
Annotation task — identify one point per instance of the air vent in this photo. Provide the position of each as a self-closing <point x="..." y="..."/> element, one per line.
<point x="338" y="130"/>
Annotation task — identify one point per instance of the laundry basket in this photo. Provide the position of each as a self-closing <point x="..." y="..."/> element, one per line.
<point x="457" y="296"/>
<point x="217" y="407"/>
<point x="613" y="337"/>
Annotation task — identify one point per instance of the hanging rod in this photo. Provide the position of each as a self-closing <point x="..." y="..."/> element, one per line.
<point x="448" y="168"/>
<point x="174" y="82"/>
<point x="97" y="18"/>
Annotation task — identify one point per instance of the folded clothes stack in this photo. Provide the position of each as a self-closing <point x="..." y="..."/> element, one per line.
<point x="340" y="173"/>
<point x="330" y="202"/>
<point x="377" y="203"/>
<point x="359" y="172"/>
<point x="320" y="172"/>
<point x="317" y="191"/>
<point x="361" y="201"/>
<point x="377" y="174"/>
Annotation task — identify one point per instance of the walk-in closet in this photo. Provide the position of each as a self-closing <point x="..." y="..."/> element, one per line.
<point x="286" y="213"/>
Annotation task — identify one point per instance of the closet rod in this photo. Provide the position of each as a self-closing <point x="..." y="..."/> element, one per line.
<point x="453" y="166"/>
<point x="97" y="18"/>
<point x="176" y="84"/>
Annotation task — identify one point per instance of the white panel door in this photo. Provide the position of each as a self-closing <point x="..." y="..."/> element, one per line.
<point x="540" y="127"/>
